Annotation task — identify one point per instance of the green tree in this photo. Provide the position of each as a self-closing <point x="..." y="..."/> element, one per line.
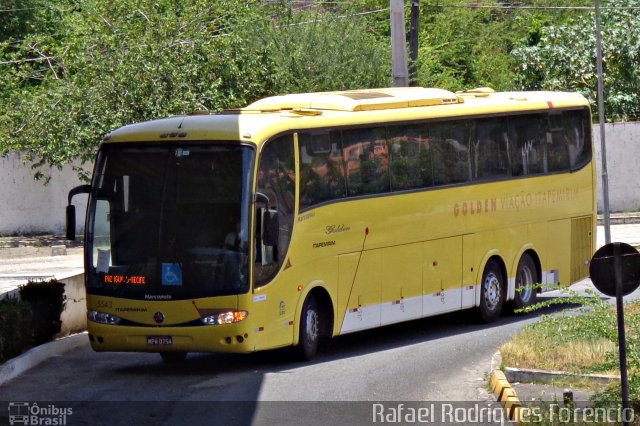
<point x="119" y="63"/>
<point x="19" y="18"/>
<point x="319" y="51"/>
<point x="72" y="70"/>
<point x="465" y="45"/>
<point x="565" y="59"/>
<point x="113" y="63"/>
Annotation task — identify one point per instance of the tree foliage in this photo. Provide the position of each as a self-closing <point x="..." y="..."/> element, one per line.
<point x="72" y="70"/>
<point x="317" y="52"/>
<point x="465" y="45"/>
<point x="113" y="63"/>
<point x="565" y="59"/>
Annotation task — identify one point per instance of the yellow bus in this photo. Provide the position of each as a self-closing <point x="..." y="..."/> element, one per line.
<point x="313" y="215"/>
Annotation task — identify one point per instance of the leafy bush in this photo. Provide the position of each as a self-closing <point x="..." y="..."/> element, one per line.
<point x="33" y="320"/>
<point x="16" y="319"/>
<point x="47" y="301"/>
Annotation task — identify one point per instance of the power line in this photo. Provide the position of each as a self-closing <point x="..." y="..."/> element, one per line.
<point x="467" y="5"/>
<point x="473" y="5"/>
<point x="351" y="15"/>
<point x="525" y="7"/>
<point x="18" y="10"/>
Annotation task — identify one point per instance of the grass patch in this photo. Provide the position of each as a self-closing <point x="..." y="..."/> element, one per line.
<point x="577" y="382"/>
<point x="534" y="350"/>
<point x="581" y="342"/>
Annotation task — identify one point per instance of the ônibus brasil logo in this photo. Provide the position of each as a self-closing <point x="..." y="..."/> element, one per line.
<point x="26" y="413"/>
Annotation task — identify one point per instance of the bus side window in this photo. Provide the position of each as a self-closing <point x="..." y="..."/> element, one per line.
<point x="526" y="144"/>
<point x="489" y="149"/>
<point x="557" y="152"/>
<point x="276" y="180"/>
<point x="321" y="169"/>
<point x="577" y="134"/>
<point x="450" y="152"/>
<point x="367" y="161"/>
<point x="410" y="157"/>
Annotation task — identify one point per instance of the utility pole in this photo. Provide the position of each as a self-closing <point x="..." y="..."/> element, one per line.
<point x="413" y="42"/>
<point x="601" y="117"/>
<point x="398" y="44"/>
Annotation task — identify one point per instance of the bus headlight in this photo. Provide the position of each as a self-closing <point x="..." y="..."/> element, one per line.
<point x="103" y="317"/>
<point x="228" y="317"/>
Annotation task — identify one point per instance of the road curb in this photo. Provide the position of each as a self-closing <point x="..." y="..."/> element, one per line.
<point x="505" y="395"/>
<point x="621" y="219"/>
<point x="500" y="384"/>
<point x="548" y="377"/>
<point x="34" y="356"/>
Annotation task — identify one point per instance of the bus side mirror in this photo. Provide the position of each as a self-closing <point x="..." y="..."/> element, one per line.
<point x="71" y="210"/>
<point x="270" y="227"/>
<point x="71" y="222"/>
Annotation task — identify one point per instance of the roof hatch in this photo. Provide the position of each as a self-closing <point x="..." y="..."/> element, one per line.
<point x="478" y="92"/>
<point x="358" y="100"/>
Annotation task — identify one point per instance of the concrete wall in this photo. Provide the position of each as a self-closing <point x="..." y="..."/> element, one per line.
<point x="623" y="165"/>
<point x="74" y="315"/>
<point x="30" y="207"/>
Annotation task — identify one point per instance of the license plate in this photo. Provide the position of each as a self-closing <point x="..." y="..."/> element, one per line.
<point x="159" y="340"/>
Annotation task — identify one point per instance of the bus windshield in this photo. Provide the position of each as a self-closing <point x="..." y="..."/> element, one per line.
<point x="170" y="222"/>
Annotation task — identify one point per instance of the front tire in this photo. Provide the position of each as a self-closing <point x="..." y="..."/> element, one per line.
<point x="309" y="332"/>
<point x="491" y="292"/>
<point x="526" y="278"/>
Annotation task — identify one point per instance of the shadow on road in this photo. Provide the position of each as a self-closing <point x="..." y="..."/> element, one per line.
<point x="346" y="346"/>
<point x="224" y="388"/>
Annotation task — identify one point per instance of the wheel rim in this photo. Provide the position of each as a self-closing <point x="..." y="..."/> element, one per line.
<point x="491" y="291"/>
<point x="311" y="329"/>
<point x="525" y="283"/>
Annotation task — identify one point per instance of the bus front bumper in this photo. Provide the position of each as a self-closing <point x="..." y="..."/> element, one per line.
<point x="217" y="338"/>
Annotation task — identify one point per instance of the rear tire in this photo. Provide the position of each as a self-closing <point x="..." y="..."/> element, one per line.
<point x="309" y="332"/>
<point x="491" y="292"/>
<point x="526" y="279"/>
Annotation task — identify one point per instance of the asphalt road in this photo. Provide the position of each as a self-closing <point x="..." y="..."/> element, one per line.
<point x="444" y="358"/>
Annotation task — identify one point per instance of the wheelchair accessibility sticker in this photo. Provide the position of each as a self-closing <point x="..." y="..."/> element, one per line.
<point x="171" y="274"/>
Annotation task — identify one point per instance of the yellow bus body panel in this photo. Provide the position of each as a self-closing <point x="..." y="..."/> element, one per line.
<point x="380" y="259"/>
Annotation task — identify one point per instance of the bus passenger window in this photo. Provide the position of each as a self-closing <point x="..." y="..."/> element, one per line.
<point x="410" y="157"/>
<point x="449" y="144"/>
<point x="367" y="161"/>
<point x="577" y="134"/>
<point x="526" y="142"/>
<point x="557" y="152"/>
<point x="489" y="149"/>
<point x="321" y="170"/>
